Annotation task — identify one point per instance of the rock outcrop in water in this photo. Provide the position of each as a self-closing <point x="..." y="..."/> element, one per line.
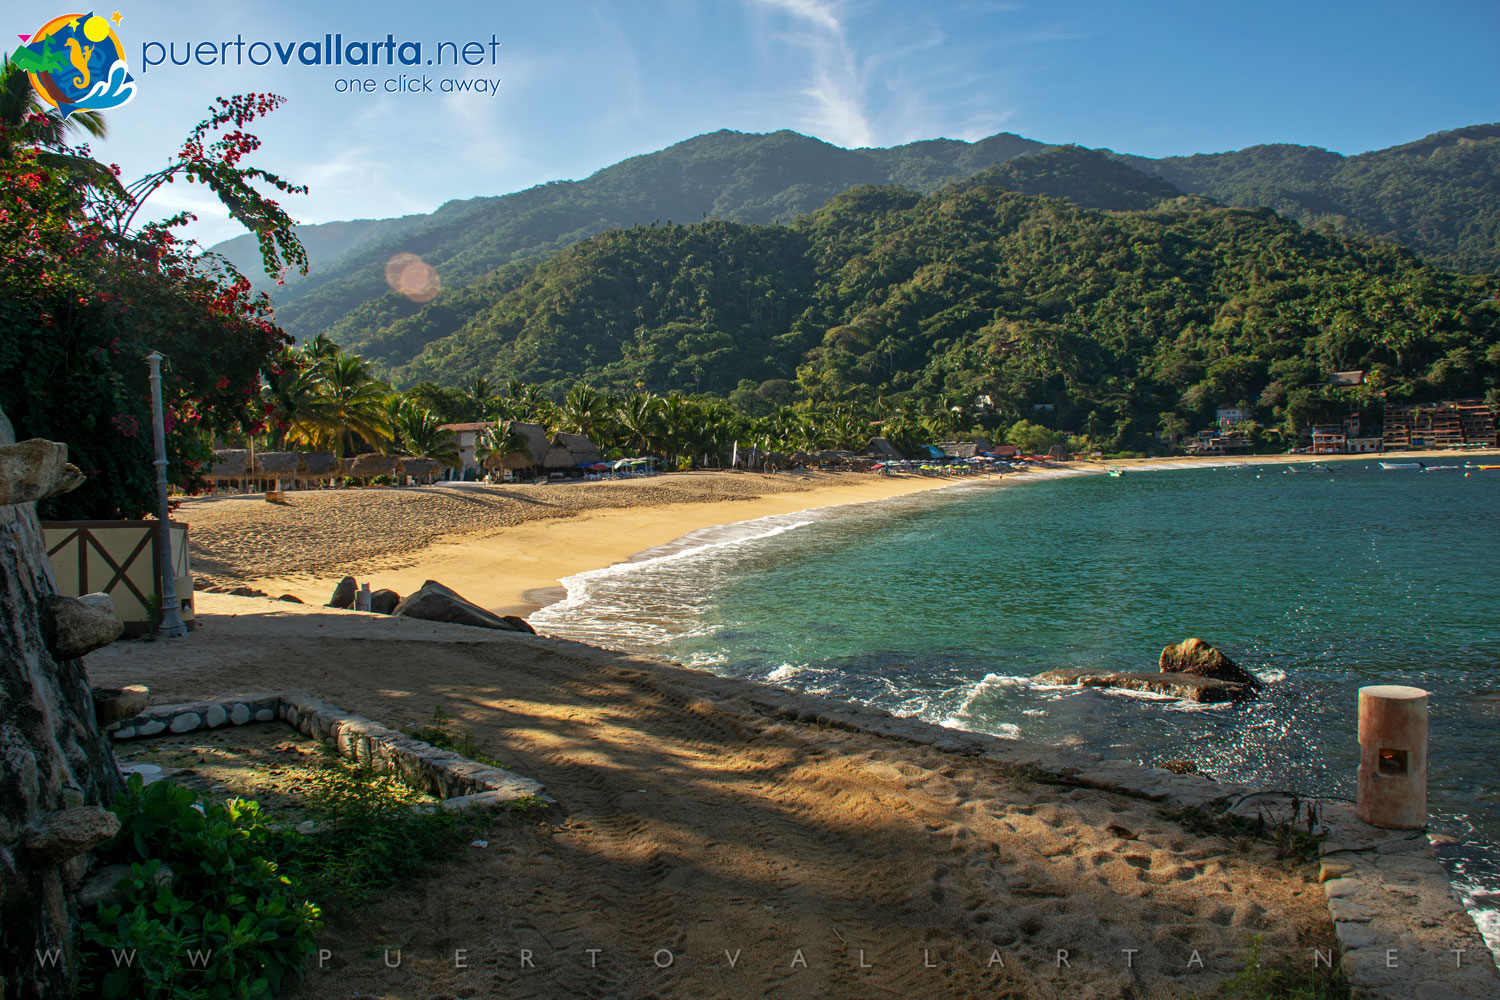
<point x="1192" y="670"/>
<point x="1198" y="658"/>
<point x="1185" y="686"/>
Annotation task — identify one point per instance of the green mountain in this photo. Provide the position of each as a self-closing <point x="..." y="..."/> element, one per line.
<point x="1116" y="318"/>
<point x="1440" y="196"/>
<point x="725" y="175"/>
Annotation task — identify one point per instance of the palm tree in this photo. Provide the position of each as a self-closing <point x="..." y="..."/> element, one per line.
<point x="639" y="418"/>
<point x="350" y="401"/>
<point x="499" y="443"/>
<point x="422" y="435"/>
<point x="583" y="410"/>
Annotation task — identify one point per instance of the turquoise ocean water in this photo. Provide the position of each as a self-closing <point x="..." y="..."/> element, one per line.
<point x="1319" y="579"/>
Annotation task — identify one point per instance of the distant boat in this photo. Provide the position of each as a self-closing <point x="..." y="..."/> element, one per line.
<point x="1117" y="473"/>
<point x="1402" y="465"/>
<point x="1440" y="468"/>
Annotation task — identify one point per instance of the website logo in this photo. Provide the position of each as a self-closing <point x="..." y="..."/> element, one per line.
<point x="76" y="63"/>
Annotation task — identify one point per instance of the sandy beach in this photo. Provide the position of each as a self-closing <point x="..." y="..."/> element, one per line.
<point x="494" y="544"/>
<point x="507" y="547"/>
<point x="765" y="842"/>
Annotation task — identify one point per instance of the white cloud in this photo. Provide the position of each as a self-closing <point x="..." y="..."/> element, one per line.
<point x="839" y="111"/>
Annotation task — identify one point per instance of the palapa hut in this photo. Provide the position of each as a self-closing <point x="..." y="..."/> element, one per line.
<point x="569" y="451"/>
<point x="421" y="468"/>
<point x="229" y="464"/>
<point x="372" y="464"/>
<point x="277" y="467"/>
<point x="1058" y="453"/>
<point x="319" y="466"/>
<point x="882" y="449"/>
<point x="966" y="449"/>
<point x="535" y="455"/>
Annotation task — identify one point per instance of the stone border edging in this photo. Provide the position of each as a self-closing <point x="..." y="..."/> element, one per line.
<point x="460" y="782"/>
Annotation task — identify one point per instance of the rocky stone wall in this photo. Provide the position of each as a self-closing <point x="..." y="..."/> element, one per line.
<point x="57" y="772"/>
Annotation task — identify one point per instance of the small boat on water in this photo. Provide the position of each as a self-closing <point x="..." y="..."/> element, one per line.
<point x="1402" y="465"/>
<point x="1116" y="473"/>
<point x="1440" y="468"/>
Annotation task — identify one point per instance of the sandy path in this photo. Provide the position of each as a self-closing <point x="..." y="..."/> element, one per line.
<point x="692" y="820"/>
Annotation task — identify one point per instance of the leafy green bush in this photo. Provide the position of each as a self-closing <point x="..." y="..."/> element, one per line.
<point x="230" y="924"/>
<point x="374" y="831"/>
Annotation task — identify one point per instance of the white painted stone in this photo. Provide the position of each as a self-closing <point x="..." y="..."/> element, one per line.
<point x="186" y="721"/>
<point x="239" y="714"/>
<point x="150" y="728"/>
<point x="265" y="715"/>
<point x="124" y="733"/>
<point x="215" y="716"/>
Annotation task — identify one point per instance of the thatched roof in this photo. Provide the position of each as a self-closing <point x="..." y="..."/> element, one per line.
<point x="537" y="444"/>
<point x="569" y="451"/>
<point x="420" y="466"/>
<point x="372" y="464"/>
<point x="280" y="464"/>
<point x="882" y="448"/>
<point x="232" y="463"/>
<point x="319" y="465"/>
<point x="831" y="455"/>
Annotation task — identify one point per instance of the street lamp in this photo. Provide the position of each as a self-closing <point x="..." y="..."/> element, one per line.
<point x="171" y="622"/>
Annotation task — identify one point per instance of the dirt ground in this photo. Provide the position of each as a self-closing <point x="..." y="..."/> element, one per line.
<point x="703" y="848"/>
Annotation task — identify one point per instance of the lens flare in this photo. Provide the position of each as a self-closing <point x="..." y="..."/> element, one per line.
<point x="413" y="277"/>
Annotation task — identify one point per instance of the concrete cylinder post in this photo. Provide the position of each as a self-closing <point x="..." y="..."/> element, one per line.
<point x="362" y="598"/>
<point x="1392" y="757"/>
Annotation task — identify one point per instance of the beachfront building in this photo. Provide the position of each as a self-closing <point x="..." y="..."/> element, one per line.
<point x="1329" y="439"/>
<point x="1228" y="416"/>
<point x="1460" y="423"/>
<point x="467" y="435"/>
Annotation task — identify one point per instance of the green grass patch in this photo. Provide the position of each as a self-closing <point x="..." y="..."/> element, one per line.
<point x="1293" y="837"/>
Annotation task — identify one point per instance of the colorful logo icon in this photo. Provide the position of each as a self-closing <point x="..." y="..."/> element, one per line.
<point x="76" y="63"/>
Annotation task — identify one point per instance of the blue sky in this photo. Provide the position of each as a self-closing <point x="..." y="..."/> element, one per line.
<point x="583" y="85"/>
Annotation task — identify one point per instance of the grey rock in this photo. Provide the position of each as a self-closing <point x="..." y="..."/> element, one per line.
<point x="150" y="727"/>
<point x="1347" y="910"/>
<point x="68" y="833"/>
<point x="1340" y="887"/>
<point x="113" y="705"/>
<point x="79" y="625"/>
<point x="290" y="598"/>
<point x="343" y="594"/>
<point x="383" y="602"/>
<point x="437" y="603"/>
<point x="239" y="714"/>
<point x="35" y="470"/>
<point x="265" y="715"/>
<point x="215" y="716"/>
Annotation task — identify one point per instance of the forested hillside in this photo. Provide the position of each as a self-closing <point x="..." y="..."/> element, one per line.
<point x="1126" y="322"/>
<point x="1440" y="196"/>
<point x="725" y="175"/>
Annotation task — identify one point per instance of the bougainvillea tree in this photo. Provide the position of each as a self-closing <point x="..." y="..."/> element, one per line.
<point x="86" y="292"/>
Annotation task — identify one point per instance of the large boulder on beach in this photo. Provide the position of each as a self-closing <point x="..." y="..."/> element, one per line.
<point x="1197" y="658"/>
<point x="437" y="603"/>
<point x="384" y="602"/>
<point x="343" y="594"/>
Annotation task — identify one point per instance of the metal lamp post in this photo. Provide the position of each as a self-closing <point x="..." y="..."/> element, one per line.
<point x="171" y="621"/>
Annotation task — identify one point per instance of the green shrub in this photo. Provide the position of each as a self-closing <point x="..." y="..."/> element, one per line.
<point x="230" y="924"/>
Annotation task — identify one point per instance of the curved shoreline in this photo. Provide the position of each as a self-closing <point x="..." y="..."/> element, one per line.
<point x="518" y="567"/>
